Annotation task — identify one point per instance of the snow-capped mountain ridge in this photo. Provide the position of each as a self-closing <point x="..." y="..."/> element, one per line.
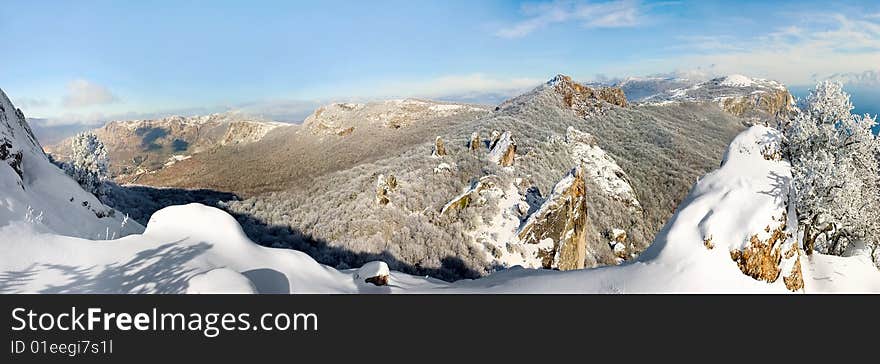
<point x="344" y="118"/>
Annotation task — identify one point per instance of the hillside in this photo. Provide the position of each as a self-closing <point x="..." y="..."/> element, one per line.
<point x="311" y="189"/>
<point x="38" y="193"/>
<point x="198" y="249"/>
<point x="139" y="147"/>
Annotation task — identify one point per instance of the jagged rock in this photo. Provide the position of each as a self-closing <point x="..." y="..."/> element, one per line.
<point x="562" y="219"/>
<point x="384" y="185"/>
<point x="504" y="151"/>
<point x="474" y="143"/>
<point x="767" y="259"/>
<point x="375" y="272"/>
<point x="601" y="168"/>
<point x="471" y="195"/>
<point x="584" y="100"/>
<point x="439" y="148"/>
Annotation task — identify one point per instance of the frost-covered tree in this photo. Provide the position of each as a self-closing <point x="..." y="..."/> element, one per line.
<point x="835" y="172"/>
<point x="88" y="162"/>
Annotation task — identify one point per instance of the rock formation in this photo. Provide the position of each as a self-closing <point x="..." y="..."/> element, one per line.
<point x="385" y="185"/>
<point x="475" y="143"/>
<point x="472" y="195"/>
<point x="584" y="100"/>
<point x="563" y="220"/>
<point x="439" y="148"/>
<point x="504" y="151"/>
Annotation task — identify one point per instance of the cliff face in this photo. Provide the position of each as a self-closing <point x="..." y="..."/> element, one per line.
<point x="563" y="220"/>
<point x="141" y="146"/>
<point x="772" y="104"/>
<point x="36" y="192"/>
<point x="16" y="137"/>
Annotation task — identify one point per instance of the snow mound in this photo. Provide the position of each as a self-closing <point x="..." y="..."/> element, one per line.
<point x="220" y="280"/>
<point x="373" y="269"/>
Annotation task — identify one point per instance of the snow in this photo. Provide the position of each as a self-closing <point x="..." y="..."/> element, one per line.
<point x="198" y="249"/>
<point x="373" y="269"/>
<point x="737" y="81"/>
<point x="504" y="142"/>
<point x="600" y="167"/>
<point x="44" y="196"/>
<point x="220" y="280"/>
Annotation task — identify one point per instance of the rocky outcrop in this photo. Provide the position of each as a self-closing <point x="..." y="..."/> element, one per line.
<point x="562" y="220"/>
<point x="772" y="105"/>
<point x="503" y="151"/>
<point x="384" y="186"/>
<point x="584" y="100"/>
<point x="600" y="167"/>
<point x="439" y="147"/>
<point x="473" y="195"/>
<point x="474" y="144"/>
<point x="767" y="259"/>
<point x="375" y="272"/>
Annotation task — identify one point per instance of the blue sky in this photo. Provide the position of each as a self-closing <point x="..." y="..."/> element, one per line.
<point x="88" y="61"/>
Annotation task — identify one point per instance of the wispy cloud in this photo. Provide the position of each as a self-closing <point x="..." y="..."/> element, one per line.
<point x="590" y="14"/>
<point x="82" y="93"/>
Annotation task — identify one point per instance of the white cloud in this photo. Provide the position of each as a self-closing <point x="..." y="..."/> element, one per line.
<point x="82" y="93"/>
<point x="456" y="86"/>
<point x="611" y="14"/>
<point x="818" y="47"/>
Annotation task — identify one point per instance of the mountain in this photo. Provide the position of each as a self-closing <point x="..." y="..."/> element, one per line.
<point x="733" y="218"/>
<point x="323" y="187"/>
<point x="137" y="147"/>
<point x="756" y="100"/>
<point x="640" y="88"/>
<point x="869" y="78"/>
<point x="37" y="192"/>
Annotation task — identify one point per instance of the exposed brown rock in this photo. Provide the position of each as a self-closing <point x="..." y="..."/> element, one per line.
<point x="760" y="259"/>
<point x="562" y="218"/>
<point x="384" y="185"/>
<point x="708" y="243"/>
<point x="439" y="148"/>
<point x="795" y="280"/>
<point x="586" y="100"/>
<point x="345" y="131"/>
<point x="776" y="104"/>
<point x="472" y="194"/>
<point x="474" y="143"/>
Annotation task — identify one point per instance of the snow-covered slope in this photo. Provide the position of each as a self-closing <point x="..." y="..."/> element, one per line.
<point x="33" y="189"/>
<point x="194" y="248"/>
<point x="759" y="100"/>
